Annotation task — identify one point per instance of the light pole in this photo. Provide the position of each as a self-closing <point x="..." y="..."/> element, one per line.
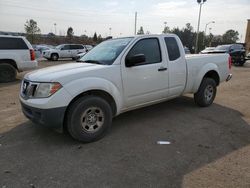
<point x="206" y="31"/>
<point x="165" y="25"/>
<point x="135" y="23"/>
<point x="110" y="31"/>
<point x="55" y="28"/>
<point x="200" y="2"/>
<point x="210" y="41"/>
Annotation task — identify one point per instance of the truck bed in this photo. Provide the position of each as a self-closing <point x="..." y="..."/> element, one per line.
<point x="197" y="64"/>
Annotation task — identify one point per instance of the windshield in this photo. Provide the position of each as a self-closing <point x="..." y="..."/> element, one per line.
<point x="59" y="47"/>
<point x="223" y="47"/>
<point x="106" y="52"/>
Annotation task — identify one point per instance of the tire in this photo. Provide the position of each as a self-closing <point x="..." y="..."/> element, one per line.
<point x="242" y="60"/>
<point x="89" y="118"/>
<point x="54" y="57"/>
<point x="7" y="73"/>
<point x="206" y="93"/>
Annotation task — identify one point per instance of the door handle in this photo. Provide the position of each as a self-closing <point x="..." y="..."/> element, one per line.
<point x="162" y="69"/>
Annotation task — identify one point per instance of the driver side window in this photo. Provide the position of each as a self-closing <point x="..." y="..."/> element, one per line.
<point x="148" y="47"/>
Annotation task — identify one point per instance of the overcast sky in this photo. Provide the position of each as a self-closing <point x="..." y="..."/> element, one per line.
<point x="88" y="16"/>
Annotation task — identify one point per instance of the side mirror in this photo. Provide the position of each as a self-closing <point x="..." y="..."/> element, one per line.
<point x="136" y="59"/>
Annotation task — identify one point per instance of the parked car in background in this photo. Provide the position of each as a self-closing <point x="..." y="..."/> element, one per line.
<point x="207" y="50"/>
<point x="39" y="49"/>
<point x="248" y="56"/>
<point x="64" y="51"/>
<point x="187" y="51"/>
<point x="236" y="51"/>
<point x="116" y="76"/>
<point x="79" y="56"/>
<point x="16" y="55"/>
<point x="89" y="47"/>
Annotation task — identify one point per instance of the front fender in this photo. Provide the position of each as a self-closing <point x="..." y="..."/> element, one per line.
<point x="80" y="86"/>
<point x="208" y="67"/>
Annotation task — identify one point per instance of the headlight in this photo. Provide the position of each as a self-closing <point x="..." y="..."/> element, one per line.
<point x="44" y="90"/>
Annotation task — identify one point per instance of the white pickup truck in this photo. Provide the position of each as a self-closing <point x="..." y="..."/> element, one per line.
<point x="116" y="76"/>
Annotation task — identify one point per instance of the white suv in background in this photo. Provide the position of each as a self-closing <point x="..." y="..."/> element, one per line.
<point x="16" y="55"/>
<point x="64" y="51"/>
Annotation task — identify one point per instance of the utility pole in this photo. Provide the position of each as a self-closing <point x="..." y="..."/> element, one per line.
<point x="135" y="22"/>
<point x="200" y="2"/>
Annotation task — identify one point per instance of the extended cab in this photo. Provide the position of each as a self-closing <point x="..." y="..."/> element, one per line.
<point x="116" y="76"/>
<point x="16" y="55"/>
<point x="64" y="51"/>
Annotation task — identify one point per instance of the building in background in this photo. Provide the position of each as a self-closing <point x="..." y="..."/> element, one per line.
<point x="247" y="40"/>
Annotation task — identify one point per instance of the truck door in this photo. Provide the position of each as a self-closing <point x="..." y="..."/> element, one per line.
<point x="177" y="66"/>
<point x="147" y="81"/>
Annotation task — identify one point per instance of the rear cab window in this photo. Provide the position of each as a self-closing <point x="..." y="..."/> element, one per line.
<point x="172" y="48"/>
<point x="150" y="47"/>
<point x="9" y="43"/>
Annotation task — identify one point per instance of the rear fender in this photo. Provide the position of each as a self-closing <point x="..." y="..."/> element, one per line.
<point x="208" y="67"/>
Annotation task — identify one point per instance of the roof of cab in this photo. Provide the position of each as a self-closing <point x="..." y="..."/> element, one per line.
<point x="11" y="36"/>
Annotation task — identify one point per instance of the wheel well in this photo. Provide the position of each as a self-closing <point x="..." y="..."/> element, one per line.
<point x="55" y="54"/>
<point x="100" y="93"/>
<point x="9" y="61"/>
<point x="214" y="75"/>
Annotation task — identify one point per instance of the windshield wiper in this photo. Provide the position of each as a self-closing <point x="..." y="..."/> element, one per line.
<point x="92" y="61"/>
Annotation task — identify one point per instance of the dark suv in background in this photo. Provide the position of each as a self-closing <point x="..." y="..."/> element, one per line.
<point x="236" y="51"/>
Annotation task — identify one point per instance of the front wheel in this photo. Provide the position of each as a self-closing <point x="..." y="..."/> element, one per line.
<point x="206" y="93"/>
<point x="54" y="57"/>
<point x="89" y="118"/>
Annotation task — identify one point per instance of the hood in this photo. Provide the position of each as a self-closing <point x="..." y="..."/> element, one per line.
<point x="51" y="50"/>
<point x="59" y="72"/>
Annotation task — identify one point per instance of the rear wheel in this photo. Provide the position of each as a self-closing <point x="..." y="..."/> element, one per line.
<point x="89" y="118"/>
<point x="7" y="72"/>
<point x="54" y="57"/>
<point x="206" y="93"/>
<point x="242" y="60"/>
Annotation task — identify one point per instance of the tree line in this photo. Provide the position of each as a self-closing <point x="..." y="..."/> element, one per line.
<point x="33" y="34"/>
<point x="186" y="34"/>
<point x="188" y="37"/>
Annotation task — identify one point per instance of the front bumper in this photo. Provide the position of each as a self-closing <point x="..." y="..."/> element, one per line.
<point x="46" y="55"/>
<point x="52" y="118"/>
<point x="229" y="77"/>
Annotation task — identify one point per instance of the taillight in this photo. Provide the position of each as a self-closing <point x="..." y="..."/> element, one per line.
<point x="32" y="55"/>
<point x="230" y="62"/>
